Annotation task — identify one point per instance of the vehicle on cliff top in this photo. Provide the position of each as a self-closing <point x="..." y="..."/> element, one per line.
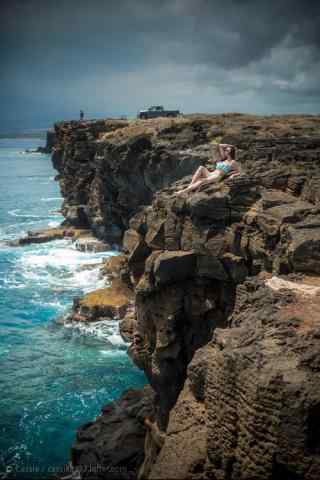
<point x="157" y="111"/>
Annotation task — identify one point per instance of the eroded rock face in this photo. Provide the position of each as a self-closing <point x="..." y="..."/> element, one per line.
<point x="199" y="257"/>
<point x="171" y="324"/>
<point x="262" y="389"/>
<point x="108" y="168"/>
<point x="249" y="405"/>
<point x="233" y="363"/>
<point x="112" y="446"/>
<point x="187" y="292"/>
<point x="105" y="174"/>
<point x="184" y="451"/>
<point x="188" y="281"/>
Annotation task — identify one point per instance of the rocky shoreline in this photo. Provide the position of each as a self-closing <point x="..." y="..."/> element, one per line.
<point x="82" y="237"/>
<point x="217" y="294"/>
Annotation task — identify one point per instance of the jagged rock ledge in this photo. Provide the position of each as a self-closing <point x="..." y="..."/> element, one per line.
<point x="108" y="168"/>
<point x="83" y="238"/>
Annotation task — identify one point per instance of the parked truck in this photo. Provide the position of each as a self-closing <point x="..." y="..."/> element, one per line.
<point x="157" y="111"/>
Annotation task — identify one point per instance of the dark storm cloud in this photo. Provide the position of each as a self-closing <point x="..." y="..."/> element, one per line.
<point x="115" y="56"/>
<point x="235" y="33"/>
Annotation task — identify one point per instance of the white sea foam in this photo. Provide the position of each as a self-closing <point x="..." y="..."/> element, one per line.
<point x="106" y="330"/>
<point x="87" y="278"/>
<point x="4" y="350"/>
<point x="56" y="304"/>
<point x="60" y="255"/>
<point x="11" y="232"/>
<point x="51" y="199"/>
<point x="116" y="339"/>
<point x="111" y="353"/>
<point x="11" y="284"/>
<point x="53" y="224"/>
<point x="17" y="213"/>
<point x="60" y="266"/>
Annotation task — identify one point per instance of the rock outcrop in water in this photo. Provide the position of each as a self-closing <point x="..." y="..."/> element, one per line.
<point x="229" y="345"/>
<point x="51" y="140"/>
<point x="83" y="238"/>
<point x="112" y="446"/>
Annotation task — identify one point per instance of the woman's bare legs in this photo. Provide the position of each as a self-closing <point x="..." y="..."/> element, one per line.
<point x="201" y="174"/>
<point x="192" y="186"/>
<point x="206" y="178"/>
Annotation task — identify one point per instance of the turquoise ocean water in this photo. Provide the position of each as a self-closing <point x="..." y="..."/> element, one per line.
<point x="52" y="378"/>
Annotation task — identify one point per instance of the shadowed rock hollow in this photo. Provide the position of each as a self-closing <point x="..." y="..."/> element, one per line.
<point x="230" y="348"/>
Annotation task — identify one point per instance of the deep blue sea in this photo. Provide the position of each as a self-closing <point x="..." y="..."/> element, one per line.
<point x="52" y="378"/>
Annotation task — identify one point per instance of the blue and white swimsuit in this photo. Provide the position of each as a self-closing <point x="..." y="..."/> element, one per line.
<point x="225" y="167"/>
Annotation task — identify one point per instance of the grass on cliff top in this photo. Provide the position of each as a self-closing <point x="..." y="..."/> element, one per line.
<point x="223" y="125"/>
<point x="116" y="296"/>
<point x="150" y="127"/>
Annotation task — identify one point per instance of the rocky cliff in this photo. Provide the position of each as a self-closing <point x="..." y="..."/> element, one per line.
<point x="225" y="320"/>
<point x="107" y="169"/>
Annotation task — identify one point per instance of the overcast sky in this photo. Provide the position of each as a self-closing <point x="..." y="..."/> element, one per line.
<point x="114" y="57"/>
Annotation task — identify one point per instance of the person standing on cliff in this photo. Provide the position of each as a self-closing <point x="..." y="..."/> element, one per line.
<point x="81" y="114"/>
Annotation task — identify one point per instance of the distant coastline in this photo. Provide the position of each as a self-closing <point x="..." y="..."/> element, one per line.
<point x="33" y="134"/>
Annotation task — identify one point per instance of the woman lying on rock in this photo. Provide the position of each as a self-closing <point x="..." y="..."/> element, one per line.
<point x="226" y="167"/>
